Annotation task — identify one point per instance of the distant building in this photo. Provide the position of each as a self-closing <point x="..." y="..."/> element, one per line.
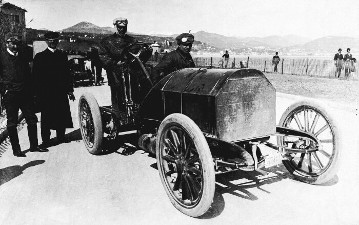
<point x="12" y="20"/>
<point x="155" y="47"/>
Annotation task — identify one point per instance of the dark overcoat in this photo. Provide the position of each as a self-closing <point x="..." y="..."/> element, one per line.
<point x="53" y="81"/>
<point x="170" y="62"/>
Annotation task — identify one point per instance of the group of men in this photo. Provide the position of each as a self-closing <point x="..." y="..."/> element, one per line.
<point x="49" y="83"/>
<point x="347" y="61"/>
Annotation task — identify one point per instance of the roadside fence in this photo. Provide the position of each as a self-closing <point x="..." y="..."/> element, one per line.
<point x="295" y="66"/>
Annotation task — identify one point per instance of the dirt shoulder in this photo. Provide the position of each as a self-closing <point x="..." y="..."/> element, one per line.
<point x="340" y="91"/>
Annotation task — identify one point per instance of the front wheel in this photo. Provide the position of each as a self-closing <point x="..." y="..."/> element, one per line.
<point x="185" y="165"/>
<point x="90" y="123"/>
<point x="321" y="165"/>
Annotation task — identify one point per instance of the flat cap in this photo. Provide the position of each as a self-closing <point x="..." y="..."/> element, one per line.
<point x="52" y="35"/>
<point x="185" y="38"/>
<point x="120" y="21"/>
<point x="339" y="49"/>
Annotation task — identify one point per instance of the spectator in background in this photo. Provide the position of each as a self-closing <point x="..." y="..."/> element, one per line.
<point x="156" y="55"/>
<point x="51" y="71"/>
<point x="349" y="63"/>
<point x="96" y="66"/>
<point x="275" y="62"/>
<point x="338" y="61"/>
<point x="17" y="88"/>
<point x="175" y="60"/>
<point x="225" y="56"/>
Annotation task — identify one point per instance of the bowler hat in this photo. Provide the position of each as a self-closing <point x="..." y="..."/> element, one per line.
<point x="185" y="38"/>
<point x="52" y="35"/>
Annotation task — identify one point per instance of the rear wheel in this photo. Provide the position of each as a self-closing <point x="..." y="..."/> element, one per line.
<point x="90" y="123"/>
<point x="317" y="166"/>
<point x="185" y="165"/>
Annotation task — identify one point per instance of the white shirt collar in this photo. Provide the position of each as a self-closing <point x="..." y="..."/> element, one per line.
<point x="51" y="49"/>
<point x="10" y="52"/>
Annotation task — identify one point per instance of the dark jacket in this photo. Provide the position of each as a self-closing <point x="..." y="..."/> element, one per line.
<point x="53" y="81"/>
<point x="338" y="56"/>
<point x="170" y="62"/>
<point x="15" y="74"/>
<point x="114" y="48"/>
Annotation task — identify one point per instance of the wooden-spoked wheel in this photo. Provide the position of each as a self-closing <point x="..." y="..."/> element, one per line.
<point x="185" y="165"/>
<point x="90" y="123"/>
<point x="314" y="166"/>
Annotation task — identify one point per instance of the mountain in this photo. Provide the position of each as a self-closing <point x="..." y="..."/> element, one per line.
<point x="332" y="43"/>
<point x="278" y="41"/>
<point x="86" y="27"/>
<point x="225" y="42"/>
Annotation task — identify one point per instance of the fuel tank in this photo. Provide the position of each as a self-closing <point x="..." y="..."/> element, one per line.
<point x="228" y="104"/>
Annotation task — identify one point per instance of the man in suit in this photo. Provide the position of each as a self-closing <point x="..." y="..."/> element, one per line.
<point x="338" y="61"/>
<point x="175" y="60"/>
<point x="17" y="89"/>
<point x="54" y="87"/>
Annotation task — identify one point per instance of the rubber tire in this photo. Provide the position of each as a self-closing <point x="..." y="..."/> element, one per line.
<point x="205" y="157"/>
<point x="95" y="149"/>
<point x="331" y="171"/>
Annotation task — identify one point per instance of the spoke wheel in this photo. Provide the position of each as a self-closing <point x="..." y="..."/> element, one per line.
<point x="317" y="166"/>
<point x="185" y="165"/>
<point x="90" y="123"/>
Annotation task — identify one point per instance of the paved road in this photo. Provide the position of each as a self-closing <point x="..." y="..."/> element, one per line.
<point x="68" y="185"/>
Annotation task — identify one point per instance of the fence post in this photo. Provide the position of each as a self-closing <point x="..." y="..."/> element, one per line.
<point x="265" y="65"/>
<point x="248" y="62"/>
<point x="282" y="65"/>
<point x="211" y="63"/>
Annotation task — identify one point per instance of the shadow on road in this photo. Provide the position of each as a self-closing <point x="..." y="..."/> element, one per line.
<point x="238" y="183"/>
<point x="9" y="173"/>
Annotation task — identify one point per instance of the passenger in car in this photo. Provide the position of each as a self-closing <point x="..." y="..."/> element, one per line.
<point x="175" y="60"/>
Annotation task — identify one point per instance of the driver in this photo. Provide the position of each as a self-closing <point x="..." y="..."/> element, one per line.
<point x="114" y="53"/>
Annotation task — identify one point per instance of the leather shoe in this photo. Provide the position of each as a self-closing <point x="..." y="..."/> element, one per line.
<point x="19" y="154"/>
<point x="38" y="149"/>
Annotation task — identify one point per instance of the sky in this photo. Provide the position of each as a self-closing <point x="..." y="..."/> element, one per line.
<point x="239" y="18"/>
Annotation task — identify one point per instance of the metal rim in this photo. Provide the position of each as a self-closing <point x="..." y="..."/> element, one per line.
<point x="87" y="124"/>
<point x="181" y="166"/>
<point x="306" y="118"/>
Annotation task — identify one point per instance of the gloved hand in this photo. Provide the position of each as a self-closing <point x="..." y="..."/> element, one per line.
<point x="71" y="96"/>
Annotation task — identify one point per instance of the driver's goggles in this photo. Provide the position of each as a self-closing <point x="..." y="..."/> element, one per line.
<point x="187" y="40"/>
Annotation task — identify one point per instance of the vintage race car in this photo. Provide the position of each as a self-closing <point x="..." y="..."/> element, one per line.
<point x="200" y="122"/>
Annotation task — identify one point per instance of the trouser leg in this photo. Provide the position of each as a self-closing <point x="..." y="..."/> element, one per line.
<point x="60" y="134"/>
<point x="11" y="100"/>
<point x="45" y="132"/>
<point x="14" y="139"/>
<point x="27" y="108"/>
<point x="32" y="132"/>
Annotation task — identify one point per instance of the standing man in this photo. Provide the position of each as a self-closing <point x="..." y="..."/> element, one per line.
<point x="54" y="87"/>
<point x="96" y="66"/>
<point x="338" y="62"/>
<point x="17" y="89"/>
<point x="225" y="56"/>
<point x="349" y="63"/>
<point x="116" y="59"/>
<point x="275" y="62"/>
<point x="175" y="60"/>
